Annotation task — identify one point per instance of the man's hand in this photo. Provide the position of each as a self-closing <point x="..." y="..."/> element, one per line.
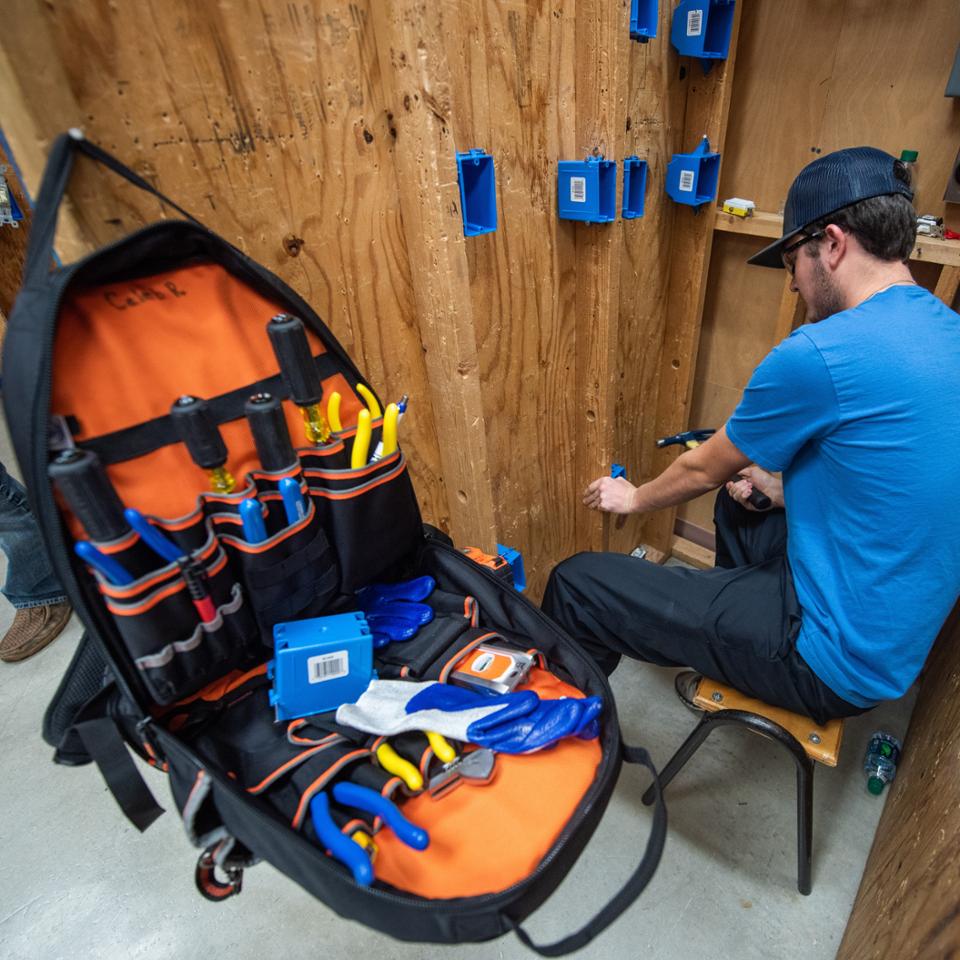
<point x="612" y="495"/>
<point x="755" y="477"/>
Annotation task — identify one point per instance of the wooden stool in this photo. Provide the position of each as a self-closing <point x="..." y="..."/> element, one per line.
<point x="806" y="741"/>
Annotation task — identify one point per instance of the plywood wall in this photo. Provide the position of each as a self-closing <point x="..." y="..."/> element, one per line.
<point x="811" y="78"/>
<point x="321" y="138"/>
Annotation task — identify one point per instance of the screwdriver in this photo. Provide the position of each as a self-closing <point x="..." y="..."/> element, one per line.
<point x="264" y="413"/>
<point x="195" y="427"/>
<point x="83" y="483"/>
<point x="290" y="344"/>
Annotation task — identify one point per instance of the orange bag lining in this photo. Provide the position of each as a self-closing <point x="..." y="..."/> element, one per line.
<point x="487" y="838"/>
<point x="114" y="368"/>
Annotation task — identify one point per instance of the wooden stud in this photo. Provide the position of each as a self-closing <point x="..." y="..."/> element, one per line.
<point x="416" y="73"/>
<point x="708" y="104"/>
<point x="654" y="131"/>
<point x="601" y="76"/>
<point x="692" y="553"/>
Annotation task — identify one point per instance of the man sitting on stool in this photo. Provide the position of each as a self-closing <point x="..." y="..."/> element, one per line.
<point x="828" y="602"/>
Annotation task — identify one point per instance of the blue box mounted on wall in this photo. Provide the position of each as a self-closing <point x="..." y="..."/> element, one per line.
<point x="634" y="187"/>
<point x="692" y="177"/>
<point x="587" y="190"/>
<point x="478" y="193"/>
<point x="702" y="28"/>
<point x="643" y="20"/>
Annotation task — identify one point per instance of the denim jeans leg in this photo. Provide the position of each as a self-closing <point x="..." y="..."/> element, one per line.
<point x="31" y="581"/>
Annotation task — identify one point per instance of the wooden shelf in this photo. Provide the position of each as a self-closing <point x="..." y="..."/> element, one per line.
<point x="770" y="225"/>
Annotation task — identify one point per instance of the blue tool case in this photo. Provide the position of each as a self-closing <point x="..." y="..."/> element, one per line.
<point x="173" y="663"/>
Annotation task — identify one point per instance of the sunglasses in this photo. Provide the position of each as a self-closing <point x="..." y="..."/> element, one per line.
<point x="791" y="263"/>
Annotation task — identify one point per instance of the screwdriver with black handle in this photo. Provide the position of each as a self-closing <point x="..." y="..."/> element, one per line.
<point x="289" y="339"/>
<point x="268" y="425"/>
<point x="196" y="428"/>
<point x="691" y="439"/>
<point x="83" y="483"/>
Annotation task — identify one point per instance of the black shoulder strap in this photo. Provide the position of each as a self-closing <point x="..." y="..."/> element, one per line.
<point x="104" y="743"/>
<point x="56" y="176"/>
<point x="631" y="889"/>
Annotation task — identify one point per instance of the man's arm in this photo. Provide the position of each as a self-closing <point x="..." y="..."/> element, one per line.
<point x="693" y="473"/>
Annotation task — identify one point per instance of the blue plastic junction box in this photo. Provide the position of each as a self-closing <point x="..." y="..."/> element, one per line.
<point x="702" y="28"/>
<point x="478" y="192"/>
<point x="692" y="177"/>
<point x="587" y="190"/>
<point x="643" y="20"/>
<point x="319" y="663"/>
<point x="634" y="187"/>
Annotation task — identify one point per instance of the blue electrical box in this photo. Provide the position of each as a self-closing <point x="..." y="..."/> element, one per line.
<point x="515" y="559"/>
<point x="634" y="187"/>
<point x="692" y="177"/>
<point x="702" y="28"/>
<point x="643" y="20"/>
<point x="478" y="193"/>
<point x="587" y="190"/>
<point x="319" y="663"/>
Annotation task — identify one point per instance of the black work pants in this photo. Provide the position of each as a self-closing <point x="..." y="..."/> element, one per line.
<point x="737" y="623"/>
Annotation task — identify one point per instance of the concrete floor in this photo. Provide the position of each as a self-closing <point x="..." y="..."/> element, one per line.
<point x="78" y="881"/>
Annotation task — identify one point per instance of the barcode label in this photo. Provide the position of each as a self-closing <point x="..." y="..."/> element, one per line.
<point x="578" y="189"/>
<point x="328" y="666"/>
<point x="694" y="23"/>
<point x="686" y="180"/>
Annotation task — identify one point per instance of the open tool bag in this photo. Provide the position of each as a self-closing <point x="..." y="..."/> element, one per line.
<point x="96" y="356"/>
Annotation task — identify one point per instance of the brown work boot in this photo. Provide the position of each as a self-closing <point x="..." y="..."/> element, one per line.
<point x="32" y="629"/>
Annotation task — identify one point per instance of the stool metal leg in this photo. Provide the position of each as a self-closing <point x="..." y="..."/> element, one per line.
<point x="689" y="747"/>
<point x="804" y="824"/>
<point x="772" y="731"/>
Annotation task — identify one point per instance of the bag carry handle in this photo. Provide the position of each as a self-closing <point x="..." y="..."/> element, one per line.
<point x="632" y="889"/>
<point x="56" y="176"/>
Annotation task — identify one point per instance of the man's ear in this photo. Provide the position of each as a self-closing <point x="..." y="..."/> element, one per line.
<point x="834" y="245"/>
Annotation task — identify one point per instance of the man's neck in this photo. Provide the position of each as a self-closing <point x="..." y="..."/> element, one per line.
<point x="874" y="278"/>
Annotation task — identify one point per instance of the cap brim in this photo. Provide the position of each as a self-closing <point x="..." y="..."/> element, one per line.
<point x="769" y="256"/>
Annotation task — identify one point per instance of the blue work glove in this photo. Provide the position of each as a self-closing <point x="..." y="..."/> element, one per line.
<point x="394" y="611"/>
<point x="518" y="722"/>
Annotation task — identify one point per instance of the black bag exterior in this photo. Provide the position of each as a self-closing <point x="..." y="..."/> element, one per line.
<point x="234" y="827"/>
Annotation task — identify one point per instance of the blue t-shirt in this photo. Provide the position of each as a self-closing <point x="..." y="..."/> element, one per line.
<point x="861" y="412"/>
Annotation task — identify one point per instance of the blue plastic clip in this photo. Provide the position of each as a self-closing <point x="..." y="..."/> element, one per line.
<point x="478" y="192"/>
<point x="587" y="190"/>
<point x="617" y="470"/>
<point x="692" y="177"/>
<point x="702" y="29"/>
<point x="643" y="20"/>
<point x="515" y="559"/>
<point x="319" y="663"/>
<point x="634" y="187"/>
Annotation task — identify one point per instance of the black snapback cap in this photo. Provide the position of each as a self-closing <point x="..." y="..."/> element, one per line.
<point x="831" y="183"/>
